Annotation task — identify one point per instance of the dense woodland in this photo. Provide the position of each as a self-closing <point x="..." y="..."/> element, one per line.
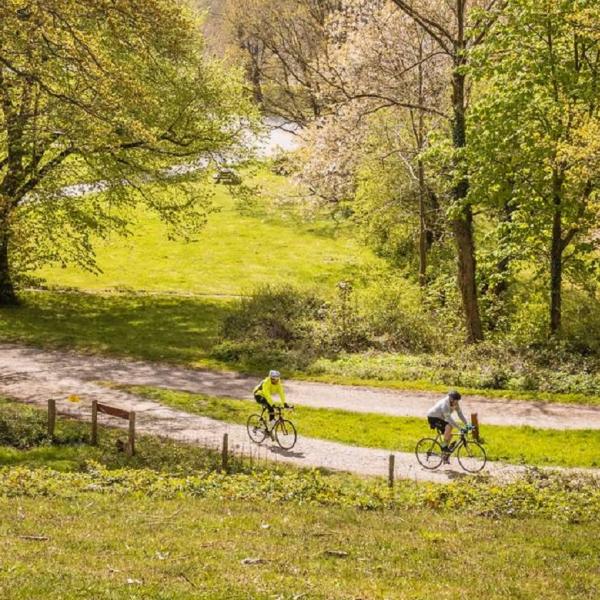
<point x="460" y="136"/>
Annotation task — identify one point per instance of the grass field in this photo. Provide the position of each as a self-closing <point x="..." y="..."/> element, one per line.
<point x="542" y="447"/>
<point x="108" y="547"/>
<point x="240" y="248"/>
<point x="166" y="525"/>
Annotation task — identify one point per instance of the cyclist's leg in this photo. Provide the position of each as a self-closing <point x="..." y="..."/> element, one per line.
<point x="263" y="402"/>
<point x="447" y="435"/>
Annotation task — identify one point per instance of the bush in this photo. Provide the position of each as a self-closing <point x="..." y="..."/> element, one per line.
<point x="21" y="428"/>
<point x="275" y="325"/>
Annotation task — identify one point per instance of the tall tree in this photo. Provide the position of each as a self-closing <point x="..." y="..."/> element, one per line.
<point x="538" y="119"/>
<point x="459" y="26"/>
<point x="107" y="89"/>
<point x="386" y="97"/>
<point x="283" y="44"/>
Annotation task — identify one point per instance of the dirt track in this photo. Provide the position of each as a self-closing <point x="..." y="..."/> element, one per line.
<point x="34" y="375"/>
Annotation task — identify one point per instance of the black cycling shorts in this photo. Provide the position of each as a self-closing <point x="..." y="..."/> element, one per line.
<point x="263" y="402"/>
<point x="437" y="423"/>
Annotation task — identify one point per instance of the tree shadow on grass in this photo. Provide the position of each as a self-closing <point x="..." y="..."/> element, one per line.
<point x="177" y="329"/>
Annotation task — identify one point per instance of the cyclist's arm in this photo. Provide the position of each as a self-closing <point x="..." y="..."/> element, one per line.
<point x="461" y="415"/>
<point x="448" y="418"/>
<point x="267" y="392"/>
<point x="281" y="393"/>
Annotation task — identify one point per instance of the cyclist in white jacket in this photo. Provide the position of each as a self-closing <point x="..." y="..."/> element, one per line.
<point x="440" y="417"/>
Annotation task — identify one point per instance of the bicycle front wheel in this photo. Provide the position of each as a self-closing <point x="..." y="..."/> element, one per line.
<point x="429" y="453"/>
<point x="257" y="428"/>
<point x="471" y="456"/>
<point x="285" y="434"/>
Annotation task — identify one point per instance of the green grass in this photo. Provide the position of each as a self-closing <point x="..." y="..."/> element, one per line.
<point x="542" y="447"/>
<point x="24" y="443"/>
<point x="111" y="547"/>
<point x="181" y="330"/>
<point x="165" y="525"/>
<point x="236" y="251"/>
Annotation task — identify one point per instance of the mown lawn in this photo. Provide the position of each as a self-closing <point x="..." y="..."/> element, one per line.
<point x="527" y="445"/>
<point x="107" y="547"/>
<point x="242" y="245"/>
<point x="165" y="328"/>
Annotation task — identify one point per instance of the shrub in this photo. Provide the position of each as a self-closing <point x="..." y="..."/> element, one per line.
<point x="275" y="325"/>
<point x="20" y="427"/>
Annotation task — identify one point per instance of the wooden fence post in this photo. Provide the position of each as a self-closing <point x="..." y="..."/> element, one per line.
<point x="225" y="453"/>
<point x="131" y="444"/>
<point x="51" y="418"/>
<point x="475" y="423"/>
<point x="391" y="469"/>
<point x="94" y="439"/>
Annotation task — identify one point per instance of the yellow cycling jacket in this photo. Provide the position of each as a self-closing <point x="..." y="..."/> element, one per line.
<point x="266" y="389"/>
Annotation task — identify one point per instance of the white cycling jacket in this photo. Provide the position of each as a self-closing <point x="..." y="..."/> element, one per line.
<point x="443" y="410"/>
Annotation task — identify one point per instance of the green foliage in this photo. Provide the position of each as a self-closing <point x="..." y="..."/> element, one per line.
<point x="572" y="499"/>
<point x="116" y="92"/>
<point x="493" y="366"/>
<point x="275" y="324"/>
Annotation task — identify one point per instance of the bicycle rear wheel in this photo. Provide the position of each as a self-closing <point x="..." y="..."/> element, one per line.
<point x="471" y="456"/>
<point x="257" y="428"/>
<point x="429" y="453"/>
<point x="285" y="434"/>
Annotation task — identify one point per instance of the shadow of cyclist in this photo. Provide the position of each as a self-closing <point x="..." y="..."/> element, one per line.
<point x="287" y="453"/>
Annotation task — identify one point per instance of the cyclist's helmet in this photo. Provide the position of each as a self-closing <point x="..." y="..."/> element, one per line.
<point x="454" y="395"/>
<point x="274" y="374"/>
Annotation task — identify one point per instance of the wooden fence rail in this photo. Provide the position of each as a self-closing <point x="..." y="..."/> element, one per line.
<point x="113" y="411"/>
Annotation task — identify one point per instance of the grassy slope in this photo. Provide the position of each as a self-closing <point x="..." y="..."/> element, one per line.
<point x="235" y="252"/>
<point x="102" y="547"/>
<point x="145" y="536"/>
<point x="232" y="254"/>
<point x="511" y="444"/>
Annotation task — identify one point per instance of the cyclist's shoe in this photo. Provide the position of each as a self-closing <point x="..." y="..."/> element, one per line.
<point x="445" y="458"/>
<point x="451" y="446"/>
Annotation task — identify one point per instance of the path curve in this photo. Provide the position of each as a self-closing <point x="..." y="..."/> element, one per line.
<point x="34" y="375"/>
<point x="18" y="362"/>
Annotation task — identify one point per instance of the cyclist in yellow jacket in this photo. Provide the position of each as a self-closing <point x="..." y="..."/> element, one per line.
<point x="263" y="394"/>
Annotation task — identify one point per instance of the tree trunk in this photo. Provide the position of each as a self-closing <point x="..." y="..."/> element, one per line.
<point x="423" y="241"/>
<point x="462" y="224"/>
<point x="8" y="297"/>
<point x="556" y="250"/>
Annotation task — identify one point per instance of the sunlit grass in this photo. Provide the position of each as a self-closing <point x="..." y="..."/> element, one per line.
<point x="528" y="445"/>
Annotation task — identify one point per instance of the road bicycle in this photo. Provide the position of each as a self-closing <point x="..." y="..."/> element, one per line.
<point x="470" y="453"/>
<point x="283" y="432"/>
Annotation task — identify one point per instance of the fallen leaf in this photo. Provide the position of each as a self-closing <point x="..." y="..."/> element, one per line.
<point x="338" y="553"/>
<point x="35" y="538"/>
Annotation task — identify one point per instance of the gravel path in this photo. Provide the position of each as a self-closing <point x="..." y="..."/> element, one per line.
<point x="34" y="375"/>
